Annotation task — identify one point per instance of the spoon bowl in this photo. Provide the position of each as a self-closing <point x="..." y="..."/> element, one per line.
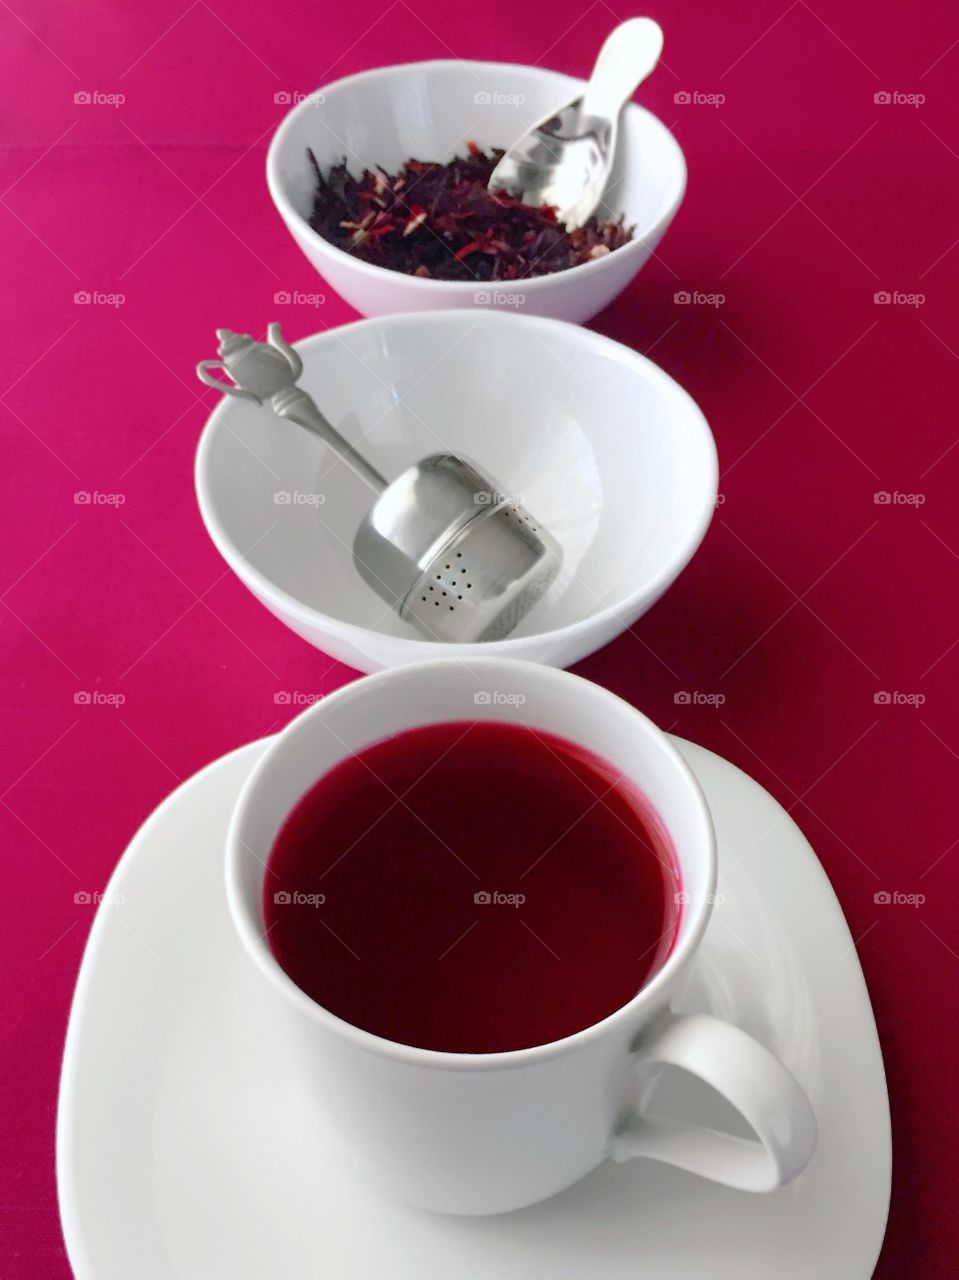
<point x="565" y="160"/>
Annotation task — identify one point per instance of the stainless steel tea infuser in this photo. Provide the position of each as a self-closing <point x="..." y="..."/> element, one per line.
<point x="442" y="545"/>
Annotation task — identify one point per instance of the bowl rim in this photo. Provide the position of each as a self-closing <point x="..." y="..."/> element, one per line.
<point x="293" y="218"/>
<point x="266" y="589"/>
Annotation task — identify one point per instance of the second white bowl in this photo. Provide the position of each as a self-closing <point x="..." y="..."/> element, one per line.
<point x="596" y="441"/>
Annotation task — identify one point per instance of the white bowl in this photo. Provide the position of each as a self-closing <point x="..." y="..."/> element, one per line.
<point x="601" y="445"/>
<point x="429" y="111"/>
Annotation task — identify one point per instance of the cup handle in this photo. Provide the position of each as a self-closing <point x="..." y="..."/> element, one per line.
<point x="751" y="1079"/>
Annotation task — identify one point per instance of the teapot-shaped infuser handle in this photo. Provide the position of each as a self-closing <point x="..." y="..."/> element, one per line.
<point x="257" y="369"/>
<point x="267" y="372"/>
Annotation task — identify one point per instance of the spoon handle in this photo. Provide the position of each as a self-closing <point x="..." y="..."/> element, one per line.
<point x="629" y="55"/>
<point x="267" y="373"/>
<point x="294" y="404"/>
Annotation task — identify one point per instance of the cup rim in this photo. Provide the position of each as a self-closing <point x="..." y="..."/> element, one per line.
<point x="290" y="215"/>
<point x="254" y="942"/>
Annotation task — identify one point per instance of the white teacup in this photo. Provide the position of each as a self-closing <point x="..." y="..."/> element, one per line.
<point x="486" y="1133"/>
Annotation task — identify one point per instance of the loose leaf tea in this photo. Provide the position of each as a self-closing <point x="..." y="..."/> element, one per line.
<point x="441" y="222"/>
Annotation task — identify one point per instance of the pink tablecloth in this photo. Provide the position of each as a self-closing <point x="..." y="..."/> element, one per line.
<point x="823" y="149"/>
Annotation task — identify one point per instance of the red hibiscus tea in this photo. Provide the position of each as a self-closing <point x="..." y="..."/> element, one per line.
<point x="472" y="887"/>
<point x="441" y="222"/>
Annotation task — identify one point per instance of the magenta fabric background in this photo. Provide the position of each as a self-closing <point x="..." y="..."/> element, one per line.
<point x="806" y="198"/>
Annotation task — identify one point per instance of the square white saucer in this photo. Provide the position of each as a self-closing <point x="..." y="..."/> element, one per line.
<point x="190" y="1146"/>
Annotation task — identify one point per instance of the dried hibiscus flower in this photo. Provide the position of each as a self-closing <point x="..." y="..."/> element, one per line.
<point x="441" y="222"/>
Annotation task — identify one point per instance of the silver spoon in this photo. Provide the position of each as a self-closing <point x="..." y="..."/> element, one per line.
<point x="442" y="545"/>
<point x="564" y="160"/>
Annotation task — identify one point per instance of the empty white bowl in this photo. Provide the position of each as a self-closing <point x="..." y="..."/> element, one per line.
<point x="598" y="443"/>
<point x="429" y="111"/>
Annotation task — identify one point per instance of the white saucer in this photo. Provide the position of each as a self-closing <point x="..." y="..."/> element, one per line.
<point x="189" y="1146"/>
